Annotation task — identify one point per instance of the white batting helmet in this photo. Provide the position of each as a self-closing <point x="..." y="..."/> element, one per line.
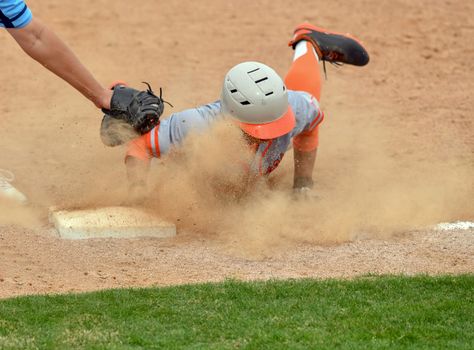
<point x="256" y="97"/>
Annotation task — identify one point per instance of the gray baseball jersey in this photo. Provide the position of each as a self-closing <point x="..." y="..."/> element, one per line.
<point x="173" y="130"/>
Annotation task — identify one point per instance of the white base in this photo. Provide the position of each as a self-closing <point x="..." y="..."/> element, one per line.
<point x="116" y="222"/>
<point x="458" y="225"/>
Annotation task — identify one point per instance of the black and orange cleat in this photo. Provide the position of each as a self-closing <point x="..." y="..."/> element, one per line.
<point x="332" y="47"/>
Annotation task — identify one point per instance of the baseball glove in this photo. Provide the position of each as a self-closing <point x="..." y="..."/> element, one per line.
<point x="132" y="113"/>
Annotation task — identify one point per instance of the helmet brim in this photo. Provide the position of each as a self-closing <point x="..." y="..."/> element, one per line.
<point x="272" y="130"/>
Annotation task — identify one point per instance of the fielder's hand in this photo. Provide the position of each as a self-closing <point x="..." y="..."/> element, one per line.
<point x="141" y="110"/>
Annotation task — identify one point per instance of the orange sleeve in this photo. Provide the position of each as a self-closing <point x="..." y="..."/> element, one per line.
<point x="308" y="140"/>
<point x="140" y="148"/>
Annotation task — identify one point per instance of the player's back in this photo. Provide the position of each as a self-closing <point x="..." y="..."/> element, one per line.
<point x="174" y="129"/>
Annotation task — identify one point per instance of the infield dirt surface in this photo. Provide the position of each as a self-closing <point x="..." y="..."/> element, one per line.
<point x="396" y="154"/>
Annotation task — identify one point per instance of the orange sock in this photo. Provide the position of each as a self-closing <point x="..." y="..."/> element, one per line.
<point x="304" y="74"/>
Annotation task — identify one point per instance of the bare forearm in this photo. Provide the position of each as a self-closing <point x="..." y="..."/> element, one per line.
<point x="47" y="48"/>
<point x="304" y="164"/>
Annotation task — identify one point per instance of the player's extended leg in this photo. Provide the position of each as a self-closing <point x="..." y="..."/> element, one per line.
<point x="313" y="44"/>
<point x="304" y="74"/>
<point x="331" y="46"/>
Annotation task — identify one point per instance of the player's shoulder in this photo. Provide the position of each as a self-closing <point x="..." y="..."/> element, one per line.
<point x="302" y="100"/>
<point x="203" y="111"/>
<point x="5" y="4"/>
<point x="197" y="116"/>
<point x="212" y="109"/>
<point x="14" y="14"/>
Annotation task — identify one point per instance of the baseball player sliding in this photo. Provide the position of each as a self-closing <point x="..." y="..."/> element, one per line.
<point x="270" y="112"/>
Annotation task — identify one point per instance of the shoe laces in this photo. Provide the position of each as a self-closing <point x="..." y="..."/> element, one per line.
<point x="6" y="176"/>
<point x="150" y="91"/>
<point x="334" y="63"/>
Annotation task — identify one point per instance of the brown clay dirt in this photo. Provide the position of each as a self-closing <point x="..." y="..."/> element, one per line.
<point x="396" y="153"/>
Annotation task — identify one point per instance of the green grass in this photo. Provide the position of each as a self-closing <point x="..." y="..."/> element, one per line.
<point x="369" y="312"/>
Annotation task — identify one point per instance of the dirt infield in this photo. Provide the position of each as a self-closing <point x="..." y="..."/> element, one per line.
<point x="396" y="154"/>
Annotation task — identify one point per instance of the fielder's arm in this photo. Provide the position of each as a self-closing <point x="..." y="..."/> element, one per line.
<point x="43" y="45"/>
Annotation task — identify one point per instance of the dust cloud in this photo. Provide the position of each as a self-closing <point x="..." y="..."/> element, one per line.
<point x="13" y="213"/>
<point x="364" y="189"/>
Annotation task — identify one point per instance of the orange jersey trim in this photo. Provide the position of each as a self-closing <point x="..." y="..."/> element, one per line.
<point x="260" y="170"/>
<point x="308" y="140"/>
<point x="140" y="148"/>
